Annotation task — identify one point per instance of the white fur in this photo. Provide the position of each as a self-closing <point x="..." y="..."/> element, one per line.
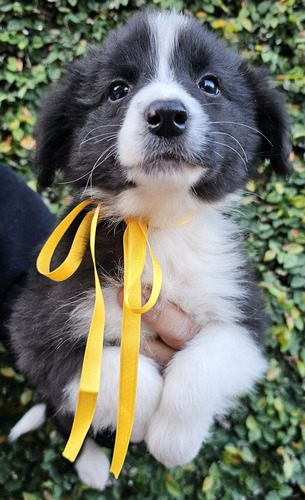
<point x="149" y="389"/>
<point x="93" y="465"/>
<point x="133" y="137"/>
<point x="200" y="263"/>
<point x="30" y="421"/>
<point x="165" y="30"/>
<point x="200" y="382"/>
<point x="201" y="257"/>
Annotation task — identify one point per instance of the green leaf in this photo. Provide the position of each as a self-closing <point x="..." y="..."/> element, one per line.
<point x="26" y="397"/>
<point x="269" y="255"/>
<point x="251" y="422"/>
<point x="294" y="248"/>
<point x="173" y="488"/>
<point x="285" y="491"/>
<point x="254" y="435"/>
<point x="288" y="468"/>
<point x="298" y="201"/>
<point x="247" y="24"/>
<point x="30" y="496"/>
<point x="298" y="282"/>
<point x="278" y="404"/>
<point x="207" y="483"/>
<point x="7" y="372"/>
<point x="5" y="147"/>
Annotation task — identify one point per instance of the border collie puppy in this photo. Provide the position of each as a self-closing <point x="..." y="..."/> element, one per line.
<point x="161" y="122"/>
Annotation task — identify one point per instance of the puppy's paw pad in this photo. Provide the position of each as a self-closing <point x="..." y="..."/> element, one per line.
<point x="93" y="466"/>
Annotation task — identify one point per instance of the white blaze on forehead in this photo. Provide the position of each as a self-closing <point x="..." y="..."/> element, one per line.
<point x="165" y="28"/>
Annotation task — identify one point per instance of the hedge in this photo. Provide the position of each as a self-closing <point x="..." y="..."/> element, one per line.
<point x="257" y="451"/>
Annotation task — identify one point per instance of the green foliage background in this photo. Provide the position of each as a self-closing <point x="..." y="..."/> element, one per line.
<point x="258" y="451"/>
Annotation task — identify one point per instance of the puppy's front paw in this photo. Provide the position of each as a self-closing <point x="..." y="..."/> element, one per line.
<point x="173" y="442"/>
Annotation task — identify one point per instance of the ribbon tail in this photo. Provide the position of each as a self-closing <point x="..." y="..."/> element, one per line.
<point x="128" y="387"/>
<point x="91" y="371"/>
<point x="134" y="260"/>
<point x="83" y="417"/>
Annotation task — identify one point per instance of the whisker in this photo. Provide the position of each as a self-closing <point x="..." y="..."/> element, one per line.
<point x="120" y="108"/>
<point x="234" y="138"/>
<point x="113" y="146"/>
<point x="99" y="126"/>
<point x="243" y="125"/>
<point x="88" y="172"/>
<point x="111" y="150"/>
<point x="106" y="135"/>
<point x="107" y="139"/>
<point x="233" y="149"/>
<point x="218" y="154"/>
<point x="75" y="180"/>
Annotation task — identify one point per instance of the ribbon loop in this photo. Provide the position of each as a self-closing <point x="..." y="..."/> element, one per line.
<point x="135" y="237"/>
<point x="77" y="250"/>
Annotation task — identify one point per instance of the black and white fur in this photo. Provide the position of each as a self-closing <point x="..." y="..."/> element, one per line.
<point x="160" y="122"/>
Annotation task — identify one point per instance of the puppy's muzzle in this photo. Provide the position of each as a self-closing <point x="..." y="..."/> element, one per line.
<point x="166" y="118"/>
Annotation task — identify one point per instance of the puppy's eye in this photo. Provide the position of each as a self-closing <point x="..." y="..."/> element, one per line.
<point x="209" y="84"/>
<point x="118" y="90"/>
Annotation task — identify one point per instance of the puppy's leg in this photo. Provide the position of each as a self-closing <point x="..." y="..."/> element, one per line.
<point x="149" y="389"/>
<point x="92" y="465"/>
<point x="200" y="382"/>
<point x="31" y="420"/>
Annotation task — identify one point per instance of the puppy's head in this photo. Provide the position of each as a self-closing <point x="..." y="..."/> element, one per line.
<point x="162" y="108"/>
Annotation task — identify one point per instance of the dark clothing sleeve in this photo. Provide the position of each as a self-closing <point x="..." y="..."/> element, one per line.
<point x="25" y="221"/>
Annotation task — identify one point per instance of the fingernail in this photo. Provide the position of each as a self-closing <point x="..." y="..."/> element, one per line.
<point x="121" y="296"/>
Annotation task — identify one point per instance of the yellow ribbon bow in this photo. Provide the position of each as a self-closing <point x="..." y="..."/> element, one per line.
<point x="134" y="244"/>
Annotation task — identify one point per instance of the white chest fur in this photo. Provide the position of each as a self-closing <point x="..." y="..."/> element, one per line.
<point x="199" y="262"/>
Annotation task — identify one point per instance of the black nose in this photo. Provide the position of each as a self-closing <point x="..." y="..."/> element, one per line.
<point x="166" y="118"/>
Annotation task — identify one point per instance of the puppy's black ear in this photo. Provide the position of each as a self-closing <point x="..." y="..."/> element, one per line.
<point x="63" y="111"/>
<point x="272" y="120"/>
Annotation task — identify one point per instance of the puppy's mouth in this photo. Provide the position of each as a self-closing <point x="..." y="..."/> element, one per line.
<point x="167" y="162"/>
<point x="165" y="170"/>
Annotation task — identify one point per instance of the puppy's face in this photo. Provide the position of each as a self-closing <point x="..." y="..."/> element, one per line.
<point x="162" y="105"/>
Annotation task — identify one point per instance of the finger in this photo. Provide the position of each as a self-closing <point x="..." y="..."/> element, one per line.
<point x="160" y="352"/>
<point x="174" y="326"/>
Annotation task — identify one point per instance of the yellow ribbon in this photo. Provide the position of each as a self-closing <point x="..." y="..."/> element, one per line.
<point x="134" y="243"/>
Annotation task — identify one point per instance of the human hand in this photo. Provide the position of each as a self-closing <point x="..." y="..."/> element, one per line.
<point x="173" y="325"/>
